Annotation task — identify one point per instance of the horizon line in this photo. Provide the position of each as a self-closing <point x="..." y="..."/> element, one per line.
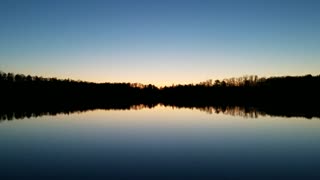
<point x="172" y="84"/>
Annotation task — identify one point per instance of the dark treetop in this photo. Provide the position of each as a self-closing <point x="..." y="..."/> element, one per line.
<point x="285" y="96"/>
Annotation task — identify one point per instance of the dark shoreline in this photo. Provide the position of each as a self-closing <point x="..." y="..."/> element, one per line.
<point x="291" y="96"/>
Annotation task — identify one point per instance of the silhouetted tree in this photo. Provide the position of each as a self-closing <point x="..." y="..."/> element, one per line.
<point x="24" y="92"/>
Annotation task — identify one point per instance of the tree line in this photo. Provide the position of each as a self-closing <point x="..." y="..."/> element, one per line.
<point x="20" y="91"/>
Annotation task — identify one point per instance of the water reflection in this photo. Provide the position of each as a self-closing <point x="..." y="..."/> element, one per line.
<point x="247" y="112"/>
<point x="163" y="142"/>
<point x="241" y="111"/>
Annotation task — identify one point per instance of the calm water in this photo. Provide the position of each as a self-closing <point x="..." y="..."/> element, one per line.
<point x="162" y="142"/>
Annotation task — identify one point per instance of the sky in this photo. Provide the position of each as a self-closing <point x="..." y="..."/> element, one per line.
<point x="162" y="42"/>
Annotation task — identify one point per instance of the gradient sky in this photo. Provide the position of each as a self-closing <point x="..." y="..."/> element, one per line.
<point x="159" y="41"/>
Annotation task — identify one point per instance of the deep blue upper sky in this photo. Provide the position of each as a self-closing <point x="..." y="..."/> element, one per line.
<point x="159" y="41"/>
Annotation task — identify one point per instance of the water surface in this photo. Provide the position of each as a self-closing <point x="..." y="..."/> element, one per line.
<point x="161" y="142"/>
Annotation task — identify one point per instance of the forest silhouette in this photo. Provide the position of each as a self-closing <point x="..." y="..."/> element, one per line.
<point x="26" y="96"/>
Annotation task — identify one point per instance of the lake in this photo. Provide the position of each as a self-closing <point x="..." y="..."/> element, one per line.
<point x="160" y="142"/>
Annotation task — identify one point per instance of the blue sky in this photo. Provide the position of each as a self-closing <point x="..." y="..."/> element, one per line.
<point x="159" y="41"/>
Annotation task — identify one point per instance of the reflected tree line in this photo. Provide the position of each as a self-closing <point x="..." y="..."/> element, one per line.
<point x="28" y="96"/>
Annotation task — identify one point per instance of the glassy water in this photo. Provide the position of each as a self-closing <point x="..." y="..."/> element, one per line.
<point x="162" y="142"/>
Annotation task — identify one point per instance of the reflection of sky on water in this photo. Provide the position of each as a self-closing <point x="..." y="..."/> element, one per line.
<point x="166" y="141"/>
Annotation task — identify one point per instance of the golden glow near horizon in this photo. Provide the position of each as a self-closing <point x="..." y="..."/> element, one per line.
<point x="190" y="68"/>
